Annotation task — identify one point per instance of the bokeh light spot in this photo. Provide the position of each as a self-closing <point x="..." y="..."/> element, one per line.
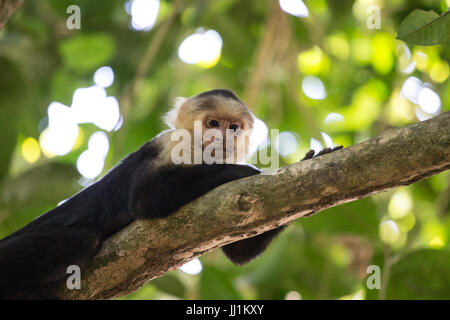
<point x="203" y="48"/>
<point x="315" y="145"/>
<point x="400" y="204"/>
<point x="62" y="131"/>
<point x="327" y="139"/>
<point x="333" y="117"/>
<point x="313" y="61"/>
<point x="258" y="136"/>
<point x="389" y="232"/>
<point x="439" y="72"/>
<point x="421" y="60"/>
<point x="143" y="13"/>
<point x="406" y="64"/>
<point x="429" y="101"/>
<point x="90" y="164"/>
<point x="313" y="88"/>
<point x="31" y="150"/>
<point x="294" y="7"/>
<point x="293" y="295"/>
<point x="91" y="105"/>
<point x="192" y="267"/>
<point x="99" y="143"/>
<point x="285" y="143"/>
<point x="338" y="45"/>
<point x="104" y="77"/>
<point x="411" y="88"/>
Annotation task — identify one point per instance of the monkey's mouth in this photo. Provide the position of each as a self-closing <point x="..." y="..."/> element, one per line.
<point x="213" y="152"/>
<point x="222" y="151"/>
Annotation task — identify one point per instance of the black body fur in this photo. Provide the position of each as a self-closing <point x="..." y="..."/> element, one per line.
<point x="72" y="233"/>
<point x="220" y="92"/>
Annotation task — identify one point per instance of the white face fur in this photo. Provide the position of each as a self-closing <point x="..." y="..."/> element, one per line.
<point x="220" y="126"/>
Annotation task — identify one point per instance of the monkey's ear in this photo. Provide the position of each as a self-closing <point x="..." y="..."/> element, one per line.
<point x="170" y="117"/>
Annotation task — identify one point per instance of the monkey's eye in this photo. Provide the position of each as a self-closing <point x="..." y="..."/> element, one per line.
<point x="213" y="123"/>
<point x="234" y="127"/>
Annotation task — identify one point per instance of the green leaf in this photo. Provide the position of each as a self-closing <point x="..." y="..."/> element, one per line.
<point x="425" y="28"/>
<point x="86" y="52"/>
<point x="421" y="275"/>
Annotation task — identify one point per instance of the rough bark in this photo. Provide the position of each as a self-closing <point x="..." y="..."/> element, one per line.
<point x="7" y="8"/>
<point x="148" y="249"/>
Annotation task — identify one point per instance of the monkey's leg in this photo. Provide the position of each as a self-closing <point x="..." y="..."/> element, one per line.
<point x="242" y="251"/>
<point x="36" y="258"/>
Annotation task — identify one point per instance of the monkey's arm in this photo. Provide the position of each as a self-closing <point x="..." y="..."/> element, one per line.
<point x="160" y="194"/>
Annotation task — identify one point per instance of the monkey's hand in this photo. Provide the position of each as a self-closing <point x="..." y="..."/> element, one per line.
<point x="311" y="155"/>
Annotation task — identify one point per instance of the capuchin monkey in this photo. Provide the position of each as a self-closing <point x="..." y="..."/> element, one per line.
<point x="150" y="183"/>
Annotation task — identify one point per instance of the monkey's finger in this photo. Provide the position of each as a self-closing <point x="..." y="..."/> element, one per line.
<point x="309" y="155"/>
<point x="329" y="150"/>
<point x="326" y="150"/>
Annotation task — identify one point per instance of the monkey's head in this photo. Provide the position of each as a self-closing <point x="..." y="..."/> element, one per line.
<point x="225" y="121"/>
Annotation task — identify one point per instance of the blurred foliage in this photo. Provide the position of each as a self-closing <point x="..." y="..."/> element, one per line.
<point x="265" y="58"/>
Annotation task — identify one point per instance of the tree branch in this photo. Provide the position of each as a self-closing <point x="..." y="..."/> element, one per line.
<point x="7" y="8"/>
<point x="147" y="249"/>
